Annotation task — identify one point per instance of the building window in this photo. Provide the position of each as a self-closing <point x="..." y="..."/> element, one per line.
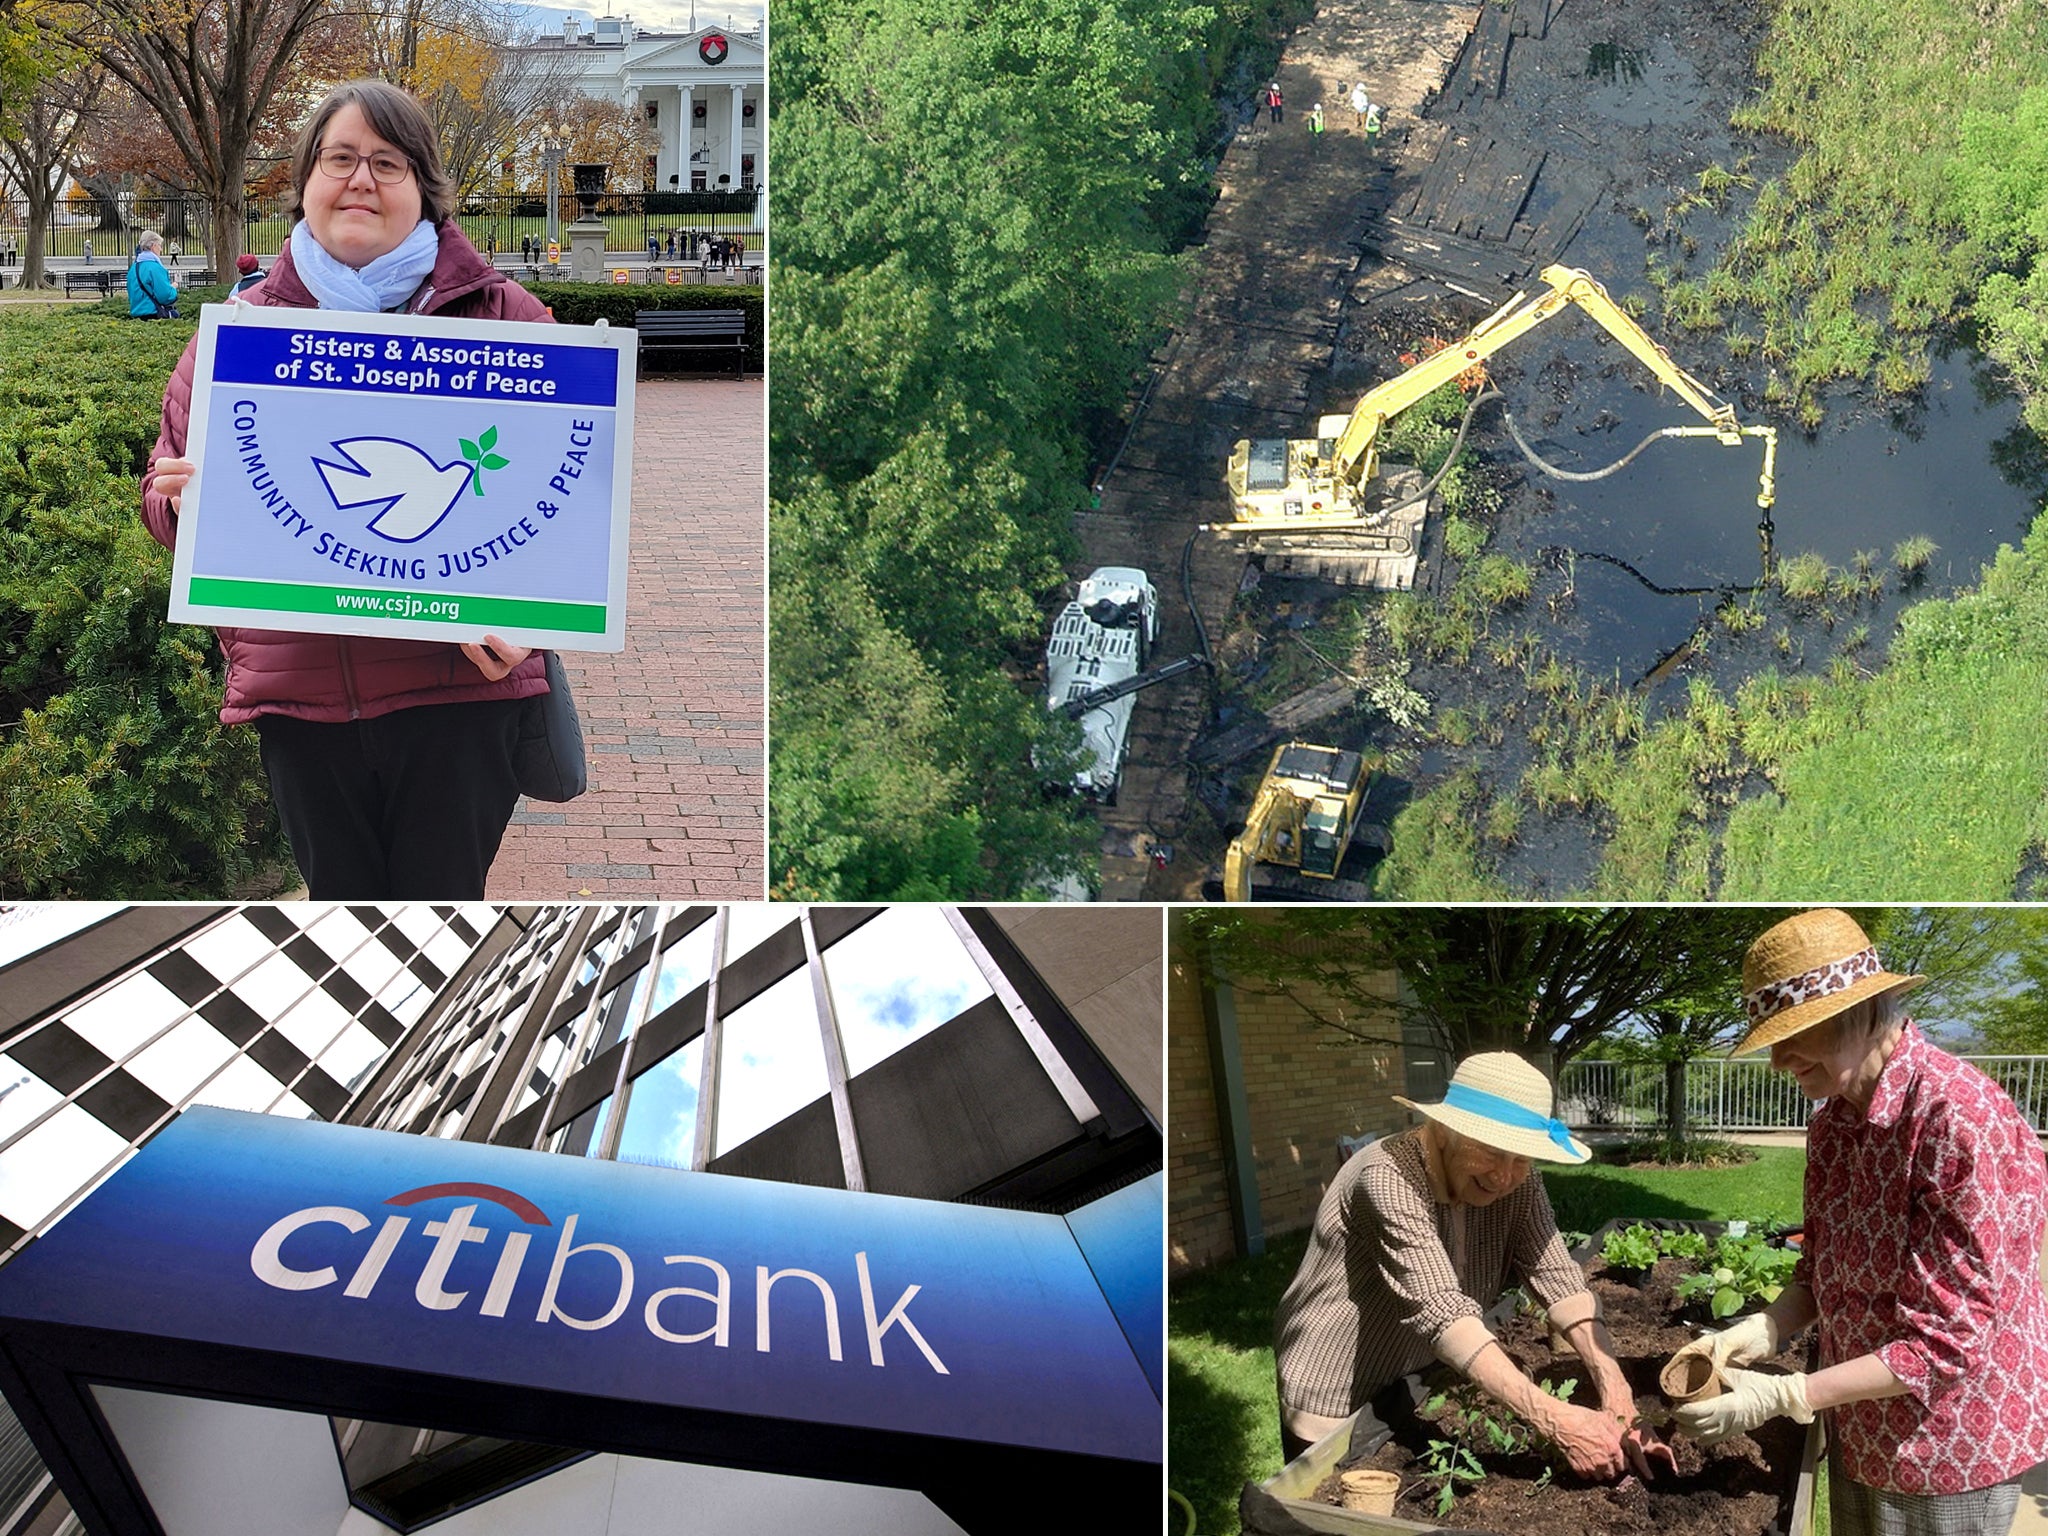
<point x="772" y="1062"/>
<point x="896" y="978"/>
<point x="661" y="1110"/>
<point x="685" y="966"/>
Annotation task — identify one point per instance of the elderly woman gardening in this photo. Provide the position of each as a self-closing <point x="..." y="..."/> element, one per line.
<point x="1926" y="1200"/>
<point x="1416" y="1238"/>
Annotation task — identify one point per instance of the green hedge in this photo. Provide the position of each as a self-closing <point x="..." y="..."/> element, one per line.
<point x="586" y="303"/>
<point x="116" y="777"/>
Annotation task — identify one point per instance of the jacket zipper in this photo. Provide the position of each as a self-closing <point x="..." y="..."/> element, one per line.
<point x="348" y="679"/>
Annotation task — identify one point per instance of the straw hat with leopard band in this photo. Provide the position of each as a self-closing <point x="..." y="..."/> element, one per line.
<point x="1806" y="970"/>
<point x="1498" y="1099"/>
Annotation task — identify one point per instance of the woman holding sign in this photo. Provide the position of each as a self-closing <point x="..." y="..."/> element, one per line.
<point x="390" y="761"/>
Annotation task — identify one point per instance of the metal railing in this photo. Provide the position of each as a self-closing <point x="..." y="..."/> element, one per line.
<point x="1744" y="1095"/>
<point x="693" y="219"/>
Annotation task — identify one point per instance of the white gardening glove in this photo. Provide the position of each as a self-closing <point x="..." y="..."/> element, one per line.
<point x="1752" y="1339"/>
<point x="1751" y="1398"/>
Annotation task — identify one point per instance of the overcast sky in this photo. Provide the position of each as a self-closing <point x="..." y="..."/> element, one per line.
<point x="659" y="15"/>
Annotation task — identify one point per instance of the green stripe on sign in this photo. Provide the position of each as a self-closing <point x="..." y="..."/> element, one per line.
<point x="257" y="597"/>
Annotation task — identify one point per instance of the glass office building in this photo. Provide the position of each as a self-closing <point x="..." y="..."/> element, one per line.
<point x="1004" y="1058"/>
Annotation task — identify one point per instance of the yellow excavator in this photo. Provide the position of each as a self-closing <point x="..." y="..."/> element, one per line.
<point x="1327" y="483"/>
<point x="1302" y="817"/>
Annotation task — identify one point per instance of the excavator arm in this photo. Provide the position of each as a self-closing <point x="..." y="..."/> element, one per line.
<point x="1354" y="454"/>
<point x="1345" y="455"/>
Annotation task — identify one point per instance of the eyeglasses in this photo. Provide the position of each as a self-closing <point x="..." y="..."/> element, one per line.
<point x="386" y="166"/>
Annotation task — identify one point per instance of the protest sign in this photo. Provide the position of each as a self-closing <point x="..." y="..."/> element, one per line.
<point x="408" y="476"/>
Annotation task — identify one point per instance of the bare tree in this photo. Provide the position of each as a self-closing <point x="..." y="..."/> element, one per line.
<point x="479" y="76"/>
<point x="37" y="147"/>
<point x="211" y="72"/>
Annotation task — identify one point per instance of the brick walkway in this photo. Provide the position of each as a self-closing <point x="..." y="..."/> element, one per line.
<point x="672" y="723"/>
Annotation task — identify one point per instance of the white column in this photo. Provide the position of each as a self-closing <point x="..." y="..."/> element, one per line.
<point x="732" y="167"/>
<point x="682" y="152"/>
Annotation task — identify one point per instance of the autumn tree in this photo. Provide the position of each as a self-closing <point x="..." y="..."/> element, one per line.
<point x="465" y="61"/>
<point x="215" y="73"/>
<point x="607" y="133"/>
<point x="38" y="141"/>
<point x="126" y="152"/>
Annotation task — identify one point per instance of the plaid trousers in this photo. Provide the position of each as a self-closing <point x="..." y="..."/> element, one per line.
<point x="1856" y="1509"/>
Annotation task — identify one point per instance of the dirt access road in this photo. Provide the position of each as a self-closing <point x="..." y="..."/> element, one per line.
<point x="1281" y="255"/>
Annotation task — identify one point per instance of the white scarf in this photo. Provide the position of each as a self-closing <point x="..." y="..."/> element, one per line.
<point x="377" y="285"/>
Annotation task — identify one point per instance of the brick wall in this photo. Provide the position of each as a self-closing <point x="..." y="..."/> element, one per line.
<point x="1302" y="1093"/>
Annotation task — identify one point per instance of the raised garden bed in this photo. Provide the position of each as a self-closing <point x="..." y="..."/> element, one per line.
<point x="1752" y="1485"/>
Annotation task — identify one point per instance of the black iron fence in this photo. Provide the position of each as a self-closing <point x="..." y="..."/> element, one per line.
<point x="682" y="224"/>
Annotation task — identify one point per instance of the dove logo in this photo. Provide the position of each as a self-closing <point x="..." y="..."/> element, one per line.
<point x="409" y="492"/>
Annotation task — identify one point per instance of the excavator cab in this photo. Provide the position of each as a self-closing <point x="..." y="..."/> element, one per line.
<point x="1302" y="817"/>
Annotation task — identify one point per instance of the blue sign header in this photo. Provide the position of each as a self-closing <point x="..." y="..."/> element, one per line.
<point x="527" y="373"/>
<point x="526" y="1269"/>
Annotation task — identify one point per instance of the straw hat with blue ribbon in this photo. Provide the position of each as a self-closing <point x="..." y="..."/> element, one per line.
<point x="1499" y="1099"/>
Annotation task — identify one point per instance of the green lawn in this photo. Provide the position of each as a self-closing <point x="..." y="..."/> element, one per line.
<point x="1222" y="1421"/>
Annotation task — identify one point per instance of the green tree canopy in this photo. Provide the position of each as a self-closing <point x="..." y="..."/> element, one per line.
<point x="1517" y="978"/>
<point x="975" y="209"/>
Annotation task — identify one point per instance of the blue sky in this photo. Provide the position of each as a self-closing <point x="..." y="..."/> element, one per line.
<point x="659" y="15"/>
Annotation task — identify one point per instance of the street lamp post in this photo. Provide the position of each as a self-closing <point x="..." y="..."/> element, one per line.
<point x="554" y="144"/>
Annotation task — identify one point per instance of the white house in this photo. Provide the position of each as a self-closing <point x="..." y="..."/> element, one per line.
<point x="701" y="89"/>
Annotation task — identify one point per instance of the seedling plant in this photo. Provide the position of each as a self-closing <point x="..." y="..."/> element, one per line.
<point x="1743" y="1269"/>
<point x="1477" y="1424"/>
<point x="1634" y="1247"/>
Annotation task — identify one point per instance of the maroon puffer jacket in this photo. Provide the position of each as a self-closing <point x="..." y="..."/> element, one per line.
<point x="348" y="677"/>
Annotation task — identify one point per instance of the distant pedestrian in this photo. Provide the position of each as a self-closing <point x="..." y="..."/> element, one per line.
<point x="1315" y="126"/>
<point x="151" y="293"/>
<point x="251" y="270"/>
<point x="1273" y="100"/>
<point x="491" y="247"/>
<point x="174" y="251"/>
<point x="526" y="249"/>
<point x="671" y="245"/>
<point x="88" y="253"/>
<point x="653" y="247"/>
<point x="1372" y="126"/>
<point x="1360" y="101"/>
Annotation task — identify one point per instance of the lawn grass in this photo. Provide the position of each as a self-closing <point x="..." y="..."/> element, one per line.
<point x="1769" y="1189"/>
<point x="1223" y="1425"/>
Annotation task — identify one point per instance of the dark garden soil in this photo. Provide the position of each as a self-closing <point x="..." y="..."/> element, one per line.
<point x="1742" y="1487"/>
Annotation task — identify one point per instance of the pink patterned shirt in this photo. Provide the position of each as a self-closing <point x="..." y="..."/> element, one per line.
<point x="1924" y="1220"/>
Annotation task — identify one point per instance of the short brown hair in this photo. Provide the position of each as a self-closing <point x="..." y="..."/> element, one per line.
<point x="397" y="117"/>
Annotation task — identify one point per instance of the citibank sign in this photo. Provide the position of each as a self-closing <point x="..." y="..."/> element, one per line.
<point x="637" y="1286"/>
<point x="448" y="1235"/>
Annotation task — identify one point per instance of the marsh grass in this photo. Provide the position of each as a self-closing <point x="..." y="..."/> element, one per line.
<point x="1882" y="230"/>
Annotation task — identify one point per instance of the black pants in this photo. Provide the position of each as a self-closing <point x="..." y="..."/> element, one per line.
<point x="409" y="806"/>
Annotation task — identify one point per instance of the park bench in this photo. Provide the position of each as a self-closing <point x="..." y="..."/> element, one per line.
<point x="689" y="331"/>
<point x="93" y="280"/>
